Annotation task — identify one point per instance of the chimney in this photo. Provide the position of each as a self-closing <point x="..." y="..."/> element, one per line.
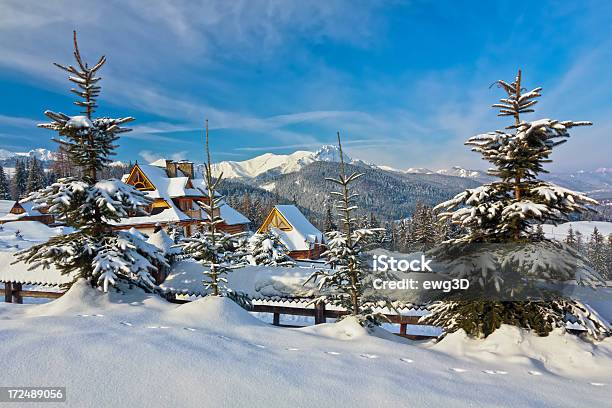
<point x="186" y="167"/>
<point x="171" y="168"/>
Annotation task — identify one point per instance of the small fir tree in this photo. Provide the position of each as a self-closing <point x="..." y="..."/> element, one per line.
<point x="5" y="193"/>
<point x="36" y="176"/>
<point x="267" y="249"/>
<point x="596" y="251"/>
<point x="212" y="247"/>
<point x="343" y="283"/>
<point x="503" y="212"/>
<point x="19" y="180"/>
<point x="94" y="251"/>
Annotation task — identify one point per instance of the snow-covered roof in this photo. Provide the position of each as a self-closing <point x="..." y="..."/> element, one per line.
<point x="171" y="214"/>
<point x="6" y="206"/>
<point x="163" y="242"/>
<point x="167" y="188"/>
<point x="303" y="234"/>
<point x="229" y="215"/>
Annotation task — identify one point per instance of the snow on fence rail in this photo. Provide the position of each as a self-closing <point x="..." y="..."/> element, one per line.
<point x="321" y="313"/>
<point x="14" y="293"/>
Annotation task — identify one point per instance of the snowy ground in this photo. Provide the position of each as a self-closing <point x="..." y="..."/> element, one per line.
<point x="137" y="350"/>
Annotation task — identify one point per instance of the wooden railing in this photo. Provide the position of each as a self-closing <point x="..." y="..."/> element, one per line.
<point x="321" y="314"/>
<point x="13" y="293"/>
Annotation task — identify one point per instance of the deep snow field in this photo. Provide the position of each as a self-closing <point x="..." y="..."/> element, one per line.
<point x="137" y="350"/>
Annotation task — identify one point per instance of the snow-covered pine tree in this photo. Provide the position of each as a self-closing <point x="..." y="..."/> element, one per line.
<point x="503" y="212"/>
<point x="19" y="180"/>
<point x="596" y="251"/>
<point x="608" y="276"/>
<point x="36" y="176"/>
<point x="212" y="247"/>
<point x="424" y="229"/>
<point x="176" y="232"/>
<point x="570" y="238"/>
<point x="330" y="224"/>
<point x="94" y="251"/>
<point x="343" y="283"/>
<point x="267" y="249"/>
<point x="5" y="193"/>
<point x="579" y="243"/>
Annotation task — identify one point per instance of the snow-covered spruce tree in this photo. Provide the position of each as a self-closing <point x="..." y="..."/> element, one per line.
<point x="5" y="193"/>
<point x="36" y="176"/>
<point x="570" y="238"/>
<point x="330" y="224"/>
<point x="343" y="283"/>
<point x="212" y="247"/>
<point x="94" y="251"/>
<point x="19" y="180"/>
<point x="424" y="229"/>
<point x="596" y="251"/>
<point x="608" y="276"/>
<point x="267" y="249"/>
<point x="496" y="252"/>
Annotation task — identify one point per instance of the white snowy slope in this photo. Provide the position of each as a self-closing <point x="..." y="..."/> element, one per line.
<point x="279" y="163"/>
<point x="560" y="231"/>
<point x="135" y="350"/>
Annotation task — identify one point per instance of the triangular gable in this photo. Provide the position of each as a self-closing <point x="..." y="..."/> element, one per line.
<point x="275" y="219"/>
<point x="139" y="180"/>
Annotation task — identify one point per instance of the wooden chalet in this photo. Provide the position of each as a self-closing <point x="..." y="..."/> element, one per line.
<point x="302" y="239"/>
<point x="22" y="211"/>
<point x="177" y="198"/>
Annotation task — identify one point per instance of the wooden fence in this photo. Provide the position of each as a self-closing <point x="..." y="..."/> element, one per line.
<point x="321" y="314"/>
<point x="14" y="293"/>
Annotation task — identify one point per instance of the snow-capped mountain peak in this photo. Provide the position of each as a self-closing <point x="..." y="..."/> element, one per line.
<point x="39" y="153"/>
<point x="330" y="153"/>
<point x="277" y="163"/>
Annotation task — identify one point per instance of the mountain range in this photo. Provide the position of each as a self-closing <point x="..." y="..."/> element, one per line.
<point x="9" y="158"/>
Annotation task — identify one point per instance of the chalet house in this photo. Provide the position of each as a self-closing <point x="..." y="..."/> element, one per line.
<point x="22" y="211"/>
<point x="302" y="239"/>
<point x="176" y="195"/>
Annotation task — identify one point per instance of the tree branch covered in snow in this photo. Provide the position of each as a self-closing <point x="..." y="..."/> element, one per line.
<point x="94" y="250"/>
<point x="507" y="212"/>
<point x="343" y="283"/>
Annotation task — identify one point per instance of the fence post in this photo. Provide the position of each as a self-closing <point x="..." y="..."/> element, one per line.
<point x="17" y="296"/>
<point x="8" y="292"/>
<point x="276" y="319"/>
<point x="320" y="313"/>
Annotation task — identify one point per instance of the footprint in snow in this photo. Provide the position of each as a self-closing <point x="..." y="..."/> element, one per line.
<point x="224" y="337"/>
<point x="407" y="360"/>
<point x="189" y="329"/>
<point x="493" y="372"/>
<point x="83" y="315"/>
<point x="371" y="356"/>
<point x="126" y="324"/>
<point x="333" y="353"/>
<point x="597" y="384"/>
<point x="292" y="349"/>
<point x="98" y="315"/>
<point x="534" y="372"/>
<point x="158" y="327"/>
<point x="459" y="370"/>
<point x="261" y="346"/>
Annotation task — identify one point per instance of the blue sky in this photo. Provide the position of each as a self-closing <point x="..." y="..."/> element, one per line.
<point x="406" y="82"/>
